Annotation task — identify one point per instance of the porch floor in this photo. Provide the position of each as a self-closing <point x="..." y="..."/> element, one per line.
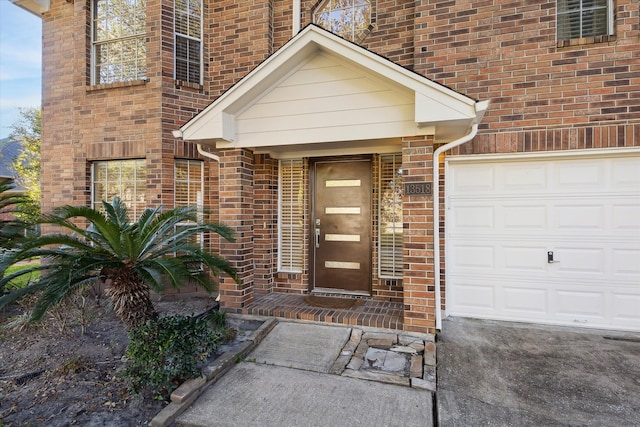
<point x="376" y="314"/>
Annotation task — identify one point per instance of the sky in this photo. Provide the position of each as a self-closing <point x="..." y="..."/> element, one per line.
<point x="20" y="63"/>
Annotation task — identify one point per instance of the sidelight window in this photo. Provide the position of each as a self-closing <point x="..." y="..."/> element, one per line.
<point x="390" y="217"/>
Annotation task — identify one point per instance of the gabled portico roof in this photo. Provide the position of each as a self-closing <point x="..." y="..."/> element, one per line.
<point x="320" y="93"/>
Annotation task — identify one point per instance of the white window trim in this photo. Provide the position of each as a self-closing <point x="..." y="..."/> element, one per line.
<point x="201" y="53"/>
<point x="94" y="44"/>
<point x="610" y="19"/>
<point x="95" y="202"/>
<point x="280" y="221"/>
<point x="399" y="274"/>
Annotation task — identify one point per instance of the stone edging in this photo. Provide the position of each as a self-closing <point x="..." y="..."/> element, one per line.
<point x="188" y="392"/>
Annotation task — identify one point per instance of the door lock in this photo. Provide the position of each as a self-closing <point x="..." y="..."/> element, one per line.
<point x="550" y="259"/>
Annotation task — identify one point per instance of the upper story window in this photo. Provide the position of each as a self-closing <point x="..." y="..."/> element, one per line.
<point x="188" y="42"/>
<point x="584" y="18"/>
<point x="119" y="51"/>
<point x="350" y="19"/>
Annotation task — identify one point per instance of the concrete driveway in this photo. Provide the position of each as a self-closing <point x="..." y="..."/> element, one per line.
<point x="511" y="374"/>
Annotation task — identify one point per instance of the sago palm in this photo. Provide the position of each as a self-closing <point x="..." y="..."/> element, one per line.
<point x="12" y="228"/>
<point x="130" y="258"/>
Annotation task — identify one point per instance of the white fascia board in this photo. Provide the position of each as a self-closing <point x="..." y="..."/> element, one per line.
<point x="36" y="7"/>
<point x="437" y="107"/>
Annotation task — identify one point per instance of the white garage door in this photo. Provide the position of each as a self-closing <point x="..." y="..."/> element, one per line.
<point x="508" y="218"/>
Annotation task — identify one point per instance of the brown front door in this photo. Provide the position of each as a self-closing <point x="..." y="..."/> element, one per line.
<point x="341" y="233"/>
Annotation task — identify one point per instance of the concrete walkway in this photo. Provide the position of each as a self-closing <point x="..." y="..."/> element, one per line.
<point x="285" y="381"/>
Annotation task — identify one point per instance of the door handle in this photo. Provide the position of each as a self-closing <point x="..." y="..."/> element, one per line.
<point x="550" y="259"/>
<point x="317" y="237"/>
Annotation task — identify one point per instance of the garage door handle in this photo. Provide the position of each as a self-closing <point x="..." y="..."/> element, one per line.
<point x="550" y="259"/>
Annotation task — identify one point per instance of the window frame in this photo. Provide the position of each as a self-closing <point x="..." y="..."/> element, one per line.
<point x="397" y="269"/>
<point x="610" y="31"/>
<point x="356" y="35"/>
<point x="134" y="211"/>
<point x="199" y="197"/>
<point x="176" y="35"/>
<point x="291" y="259"/>
<point x="141" y="69"/>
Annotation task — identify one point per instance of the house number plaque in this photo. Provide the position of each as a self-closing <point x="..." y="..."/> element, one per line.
<point x="417" y="189"/>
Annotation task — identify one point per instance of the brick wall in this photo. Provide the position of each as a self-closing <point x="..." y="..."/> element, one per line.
<point x="418" y="282"/>
<point x="237" y="211"/>
<point x="506" y="52"/>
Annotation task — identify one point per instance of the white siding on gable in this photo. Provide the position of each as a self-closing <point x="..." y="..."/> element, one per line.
<point x="327" y="100"/>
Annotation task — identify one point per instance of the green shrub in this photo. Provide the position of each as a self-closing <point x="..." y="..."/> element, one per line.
<point x="165" y="352"/>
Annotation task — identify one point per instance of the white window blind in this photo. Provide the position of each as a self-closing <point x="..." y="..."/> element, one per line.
<point x="189" y="189"/>
<point x="390" y="217"/>
<point x="188" y="40"/>
<point x="290" y="216"/>
<point x="584" y="18"/>
<point x="126" y="179"/>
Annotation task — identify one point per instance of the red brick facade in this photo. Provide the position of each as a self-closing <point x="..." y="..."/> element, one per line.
<point x="544" y="95"/>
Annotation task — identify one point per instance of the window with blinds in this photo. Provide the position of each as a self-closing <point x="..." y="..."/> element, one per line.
<point x="188" y="40"/>
<point x="390" y="217"/>
<point x="126" y="179"/>
<point x="291" y="216"/>
<point x="189" y="189"/>
<point x="584" y="18"/>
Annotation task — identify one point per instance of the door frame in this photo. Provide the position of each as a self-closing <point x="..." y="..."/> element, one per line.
<point x="311" y="223"/>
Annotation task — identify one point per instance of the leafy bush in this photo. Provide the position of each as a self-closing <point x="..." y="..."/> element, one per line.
<point x="165" y="352"/>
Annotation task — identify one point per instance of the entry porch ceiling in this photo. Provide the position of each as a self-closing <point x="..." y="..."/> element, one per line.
<point x="322" y="94"/>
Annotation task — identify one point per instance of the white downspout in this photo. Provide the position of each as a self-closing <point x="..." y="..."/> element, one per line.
<point x="296" y="17"/>
<point x="216" y="159"/>
<point x="481" y="107"/>
<point x="436" y="215"/>
<point x="207" y="154"/>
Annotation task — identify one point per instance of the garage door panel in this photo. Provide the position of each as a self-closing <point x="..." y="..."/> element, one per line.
<point x="577" y="305"/>
<point x="579" y="261"/>
<point x="474" y="296"/>
<point x="579" y="217"/>
<point x="507" y="215"/>
<point x="570" y="176"/>
<point x="527" y="177"/>
<point x="475" y="217"/>
<point x="473" y="180"/>
<point x="626" y="308"/>
<point x="626" y="264"/>
<point x="474" y="257"/>
<point x="626" y="173"/>
<point x="626" y="218"/>
<point x="525" y="217"/>
<point x="523" y="259"/>
<point x="530" y="300"/>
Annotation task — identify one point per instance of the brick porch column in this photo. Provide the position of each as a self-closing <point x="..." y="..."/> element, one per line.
<point x="265" y="227"/>
<point x="417" y="212"/>
<point x="236" y="211"/>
